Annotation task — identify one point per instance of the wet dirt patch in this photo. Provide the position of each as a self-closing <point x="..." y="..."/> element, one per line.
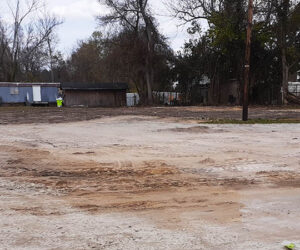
<point x="84" y="153"/>
<point x="77" y="176"/>
<point x="36" y="167"/>
<point x="281" y="178"/>
<point x="195" y="129"/>
<point x="96" y="188"/>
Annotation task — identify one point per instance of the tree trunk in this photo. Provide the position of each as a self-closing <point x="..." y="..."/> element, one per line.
<point x="149" y="65"/>
<point x="51" y="59"/>
<point x="219" y="93"/>
<point x="285" y="77"/>
<point x="13" y="71"/>
<point x="150" y="50"/>
<point x="247" y="61"/>
<point x="149" y="84"/>
<point x="283" y="45"/>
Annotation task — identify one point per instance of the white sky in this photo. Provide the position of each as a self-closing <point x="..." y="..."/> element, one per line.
<point x="79" y="21"/>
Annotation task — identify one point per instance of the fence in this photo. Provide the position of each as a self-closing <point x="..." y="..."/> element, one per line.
<point x="165" y="98"/>
<point x="294" y="88"/>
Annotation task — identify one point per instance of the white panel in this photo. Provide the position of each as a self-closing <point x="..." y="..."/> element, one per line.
<point x="132" y="99"/>
<point x="36" y="90"/>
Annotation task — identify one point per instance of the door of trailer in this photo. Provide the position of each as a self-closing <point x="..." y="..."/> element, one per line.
<point x="36" y="90"/>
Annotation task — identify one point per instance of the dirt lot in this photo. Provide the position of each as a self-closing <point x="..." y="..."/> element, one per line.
<point x="22" y="115"/>
<point x="149" y="178"/>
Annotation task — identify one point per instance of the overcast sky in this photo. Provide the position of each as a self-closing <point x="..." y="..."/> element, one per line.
<point x="79" y="21"/>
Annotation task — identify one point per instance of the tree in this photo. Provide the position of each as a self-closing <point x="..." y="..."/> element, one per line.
<point x="225" y="36"/>
<point x="136" y="18"/>
<point x="288" y="28"/>
<point x="276" y="26"/>
<point x="25" y="39"/>
<point x="4" y="56"/>
<point x="86" y="62"/>
<point x="120" y="57"/>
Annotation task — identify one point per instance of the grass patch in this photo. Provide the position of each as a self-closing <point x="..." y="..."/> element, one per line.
<point x="253" y="121"/>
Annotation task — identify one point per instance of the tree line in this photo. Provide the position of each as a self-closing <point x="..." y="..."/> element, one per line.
<point x="135" y="51"/>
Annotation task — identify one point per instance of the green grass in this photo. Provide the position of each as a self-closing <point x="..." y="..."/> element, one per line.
<point x="253" y="121"/>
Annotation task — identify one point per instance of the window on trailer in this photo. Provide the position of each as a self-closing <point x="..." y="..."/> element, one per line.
<point x="14" y="90"/>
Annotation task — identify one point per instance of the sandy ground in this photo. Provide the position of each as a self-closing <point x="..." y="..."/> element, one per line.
<point x="142" y="182"/>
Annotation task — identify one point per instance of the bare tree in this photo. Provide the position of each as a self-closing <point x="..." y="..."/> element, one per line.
<point x="190" y="11"/>
<point x="3" y="51"/>
<point x="46" y="26"/>
<point x="18" y="18"/>
<point x="28" y="34"/>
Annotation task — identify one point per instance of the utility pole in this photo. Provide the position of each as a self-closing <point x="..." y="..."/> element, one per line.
<point x="247" y="61"/>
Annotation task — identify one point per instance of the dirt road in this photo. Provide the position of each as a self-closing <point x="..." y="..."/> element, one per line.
<point x="142" y="182"/>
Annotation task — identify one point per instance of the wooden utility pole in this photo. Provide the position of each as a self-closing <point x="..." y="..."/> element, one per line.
<point x="247" y="61"/>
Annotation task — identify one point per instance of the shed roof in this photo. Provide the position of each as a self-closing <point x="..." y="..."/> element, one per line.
<point x="29" y="84"/>
<point x="94" y="86"/>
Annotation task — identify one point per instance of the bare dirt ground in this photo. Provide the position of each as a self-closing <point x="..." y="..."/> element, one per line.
<point x="22" y="115"/>
<point x="133" y="181"/>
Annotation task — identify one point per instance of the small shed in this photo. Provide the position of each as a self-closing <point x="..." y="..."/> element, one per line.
<point x="94" y="94"/>
<point x="31" y="93"/>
